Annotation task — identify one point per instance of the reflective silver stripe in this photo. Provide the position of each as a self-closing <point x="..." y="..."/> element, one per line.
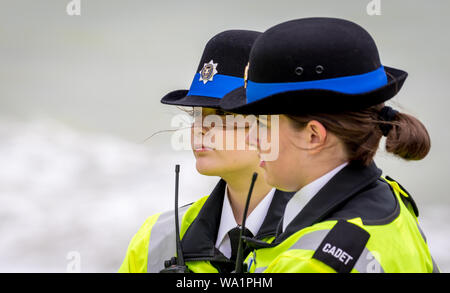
<point x="421" y="232"/>
<point x="260" y="270"/>
<point x="310" y="241"/>
<point x="367" y="263"/>
<point x="435" y="267"/>
<point x="161" y="245"/>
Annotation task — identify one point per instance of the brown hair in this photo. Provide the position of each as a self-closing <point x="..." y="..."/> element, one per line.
<point x="360" y="133"/>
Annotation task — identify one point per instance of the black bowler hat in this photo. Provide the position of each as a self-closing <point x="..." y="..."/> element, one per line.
<point x="314" y="65"/>
<point x="220" y="71"/>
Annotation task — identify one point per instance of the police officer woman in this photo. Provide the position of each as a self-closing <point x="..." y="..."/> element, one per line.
<point x="209" y="227"/>
<point x="325" y="78"/>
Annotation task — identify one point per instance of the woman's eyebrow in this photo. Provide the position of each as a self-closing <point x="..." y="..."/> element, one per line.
<point x="209" y="112"/>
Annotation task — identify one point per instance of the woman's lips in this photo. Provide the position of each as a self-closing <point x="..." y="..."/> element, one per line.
<point x="203" y="149"/>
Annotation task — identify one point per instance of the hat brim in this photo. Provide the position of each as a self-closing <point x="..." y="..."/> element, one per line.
<point x="180" y="98"/>
<point x="314" y="100"/>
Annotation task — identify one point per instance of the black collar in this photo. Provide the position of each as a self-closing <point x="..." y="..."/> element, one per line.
<point x="199" y="239"/>
<point x="198" y="242"/>
<point x="342" y="187"/>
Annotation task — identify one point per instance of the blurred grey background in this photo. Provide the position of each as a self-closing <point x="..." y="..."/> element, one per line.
<point x="79" y="96"/>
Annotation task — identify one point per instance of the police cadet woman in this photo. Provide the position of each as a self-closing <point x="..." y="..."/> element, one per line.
<point x="209" y="227"/>
<point x="325" y="79"/>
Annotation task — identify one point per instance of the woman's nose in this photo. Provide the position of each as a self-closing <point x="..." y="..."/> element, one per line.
<point x="196" y="136"/>
<point x="251" y="139"/>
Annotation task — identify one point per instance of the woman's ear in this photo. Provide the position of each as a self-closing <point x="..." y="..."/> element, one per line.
<point x="315" y="135"/>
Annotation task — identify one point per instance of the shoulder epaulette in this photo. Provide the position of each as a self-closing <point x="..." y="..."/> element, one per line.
<point x="342" y="246"/>
<point x="408" y="200"/>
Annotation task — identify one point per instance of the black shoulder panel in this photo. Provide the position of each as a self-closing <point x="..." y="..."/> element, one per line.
<point x="342" y="246"/>
<point x="375" y="205"/>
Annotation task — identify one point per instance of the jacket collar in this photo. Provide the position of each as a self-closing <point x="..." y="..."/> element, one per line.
<point x="343" y="186"/>
<point x="199" y="240"/>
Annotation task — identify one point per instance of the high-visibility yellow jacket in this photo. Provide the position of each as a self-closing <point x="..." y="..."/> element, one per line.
<point x="358" y="222"/>
<point x="154" y="243"/>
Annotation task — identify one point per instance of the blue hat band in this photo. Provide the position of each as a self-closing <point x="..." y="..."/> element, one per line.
<point x="219" y="86"/>
<point x="354" y="84"/>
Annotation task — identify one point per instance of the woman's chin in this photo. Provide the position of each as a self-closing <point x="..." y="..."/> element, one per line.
<point x="277" y="183"/>
<point x="269" y="180"/>
<point x="207" y="169"/>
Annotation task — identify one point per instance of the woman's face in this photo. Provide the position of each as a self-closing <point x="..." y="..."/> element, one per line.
<point x="282" y="172"/>
<point x="300" y="152"/>
<point x="213" y="156"/>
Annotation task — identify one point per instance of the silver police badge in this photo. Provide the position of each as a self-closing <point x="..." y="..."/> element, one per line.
<point x="246" y="74"/>
<point x="208" y="71"/>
